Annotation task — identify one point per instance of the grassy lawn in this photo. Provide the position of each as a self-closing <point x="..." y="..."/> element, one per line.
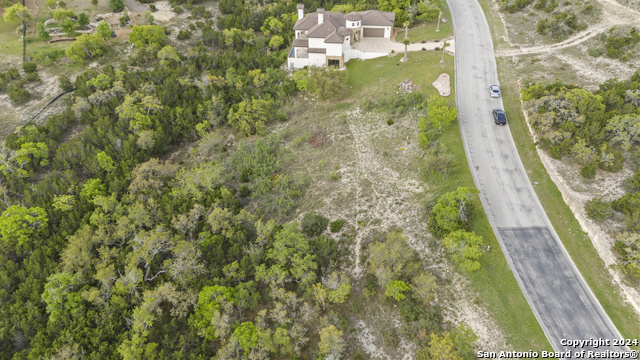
<point x="427" y="32"/>
<point x="574" y="239"/>
<point x="381" y="76"/>
<point x="494" y="283"/>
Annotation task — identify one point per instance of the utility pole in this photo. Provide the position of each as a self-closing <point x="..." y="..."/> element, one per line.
<point x="437" y="27"/>
<point x="24" y="38"/>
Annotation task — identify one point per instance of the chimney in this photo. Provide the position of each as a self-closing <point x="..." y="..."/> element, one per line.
<point x="320" y="15"/>
<point x="300" y="11"/>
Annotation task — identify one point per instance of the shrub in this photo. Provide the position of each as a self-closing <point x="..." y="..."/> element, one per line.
<point x="29" y="67"/>
<point x="598" y="209"/>
<point x="17" y="94"/>
<point x="184" y="35"/>
<point x="314" y="224"/>
<point x="153" y="8"/>
<point x="124" y="20"/>
<point x="32" y="76"/>
<point x="177" y="9"/>
<point x="192" y="26"/>
<point x="588" y="171"/>
<point x="12" y="74"/>
<point x="65" y="83"/>
<point x="336" y="226"/>
<point x="390" y="122"/>
<point x="116" y="5"/>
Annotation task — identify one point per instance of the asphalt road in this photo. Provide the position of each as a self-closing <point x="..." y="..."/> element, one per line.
<point x="560" y="298"/>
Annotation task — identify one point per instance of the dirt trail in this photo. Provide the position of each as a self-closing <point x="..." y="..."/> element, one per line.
<point x="613" y="14"/>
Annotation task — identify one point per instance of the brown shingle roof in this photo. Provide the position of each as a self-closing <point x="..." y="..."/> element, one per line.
<point x="334" y="38"/>
<point x="353" y="16"/>
<point x="377" y="18"/>
<point x="343" y="31"/>
<point x="300" y="43"/>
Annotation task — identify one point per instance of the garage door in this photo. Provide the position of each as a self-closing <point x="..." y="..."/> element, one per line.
<point x="370" y="32"/>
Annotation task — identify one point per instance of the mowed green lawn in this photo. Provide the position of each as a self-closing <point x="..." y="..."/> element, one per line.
<point x="494" y="283"/>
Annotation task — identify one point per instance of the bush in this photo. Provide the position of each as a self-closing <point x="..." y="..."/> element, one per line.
<point x="598" y="209"/>
<point x="177" y="9"/>
<point x="65" y="83"/>
<point x="336" y="226"/>
<point x="12" y="74"/>
<point x="588" y="171"/>
<point x="153" y="8"/>
<point x="184" y="35"/>
<point x="314" y="224"/>
<point x="124" y="20"/>
<point x="32" y="76"/>
<point x="29" y="67"/>
<point x="116" y="5"/>
<point x="17" y="94"/>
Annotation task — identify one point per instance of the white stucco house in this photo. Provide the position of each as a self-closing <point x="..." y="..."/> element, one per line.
<point x="324" y="38"/>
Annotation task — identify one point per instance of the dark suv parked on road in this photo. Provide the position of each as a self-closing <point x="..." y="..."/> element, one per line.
<point x="499" y="117"/>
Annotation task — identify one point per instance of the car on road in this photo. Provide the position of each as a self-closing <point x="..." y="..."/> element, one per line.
<point x="494" y="90"/>
<point x="499" y="117"/>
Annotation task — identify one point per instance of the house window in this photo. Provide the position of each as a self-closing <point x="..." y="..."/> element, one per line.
<point x="335" y="63"/>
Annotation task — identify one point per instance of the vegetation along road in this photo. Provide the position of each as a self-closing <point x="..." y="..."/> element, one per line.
<point x="560" y="298"/>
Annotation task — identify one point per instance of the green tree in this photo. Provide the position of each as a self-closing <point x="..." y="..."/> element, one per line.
<point x="148" y="36"/>
<point x="20" y="224"/>
<point x="424" y="287"/>
<point x="345" y="9"/>
<point x="452" y="212"/>
<point x="210" y="302"/>
<point x="83" y="19"/>
<point x="41" y="32"/>
<point x="331" y="343"/>
<point x="196" y="182"/>
<point x="69" y="27"/>
<point x="19" y="13"/>
<point x="105" y="161"/>
<point x="168" y="53"/>
<point x="292" y="257"/>
<point x="628" y="245"/>
<point x="326" y="83"/>
<point x="86" y="47"/>
<point x="395" y="289"/>
<point x="442" y="348"/>
<point x="64" y="202"/>
<point x="439" y="117"/>
<point x="247" y="336"/>
<point x="276" y="42"/>
<point x="388" y="258"/>
<point x="104" y="30"/>
<point x="464" y="247"/>
<point x="61" y="14"/>
<point x="116" y="5"/>
<point x="249" y="117"/>
<point x="465" y="341"/>
<point x="33" y="152"/>
<point x="59" y="295"/>
<point x="93" y="188"/>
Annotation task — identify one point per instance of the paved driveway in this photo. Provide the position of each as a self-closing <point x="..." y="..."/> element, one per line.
<point x="382" y="45"/>
<point x="558" y="295"/>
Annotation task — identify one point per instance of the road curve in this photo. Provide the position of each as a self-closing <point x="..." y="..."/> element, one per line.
<point x="556" y="291"/>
